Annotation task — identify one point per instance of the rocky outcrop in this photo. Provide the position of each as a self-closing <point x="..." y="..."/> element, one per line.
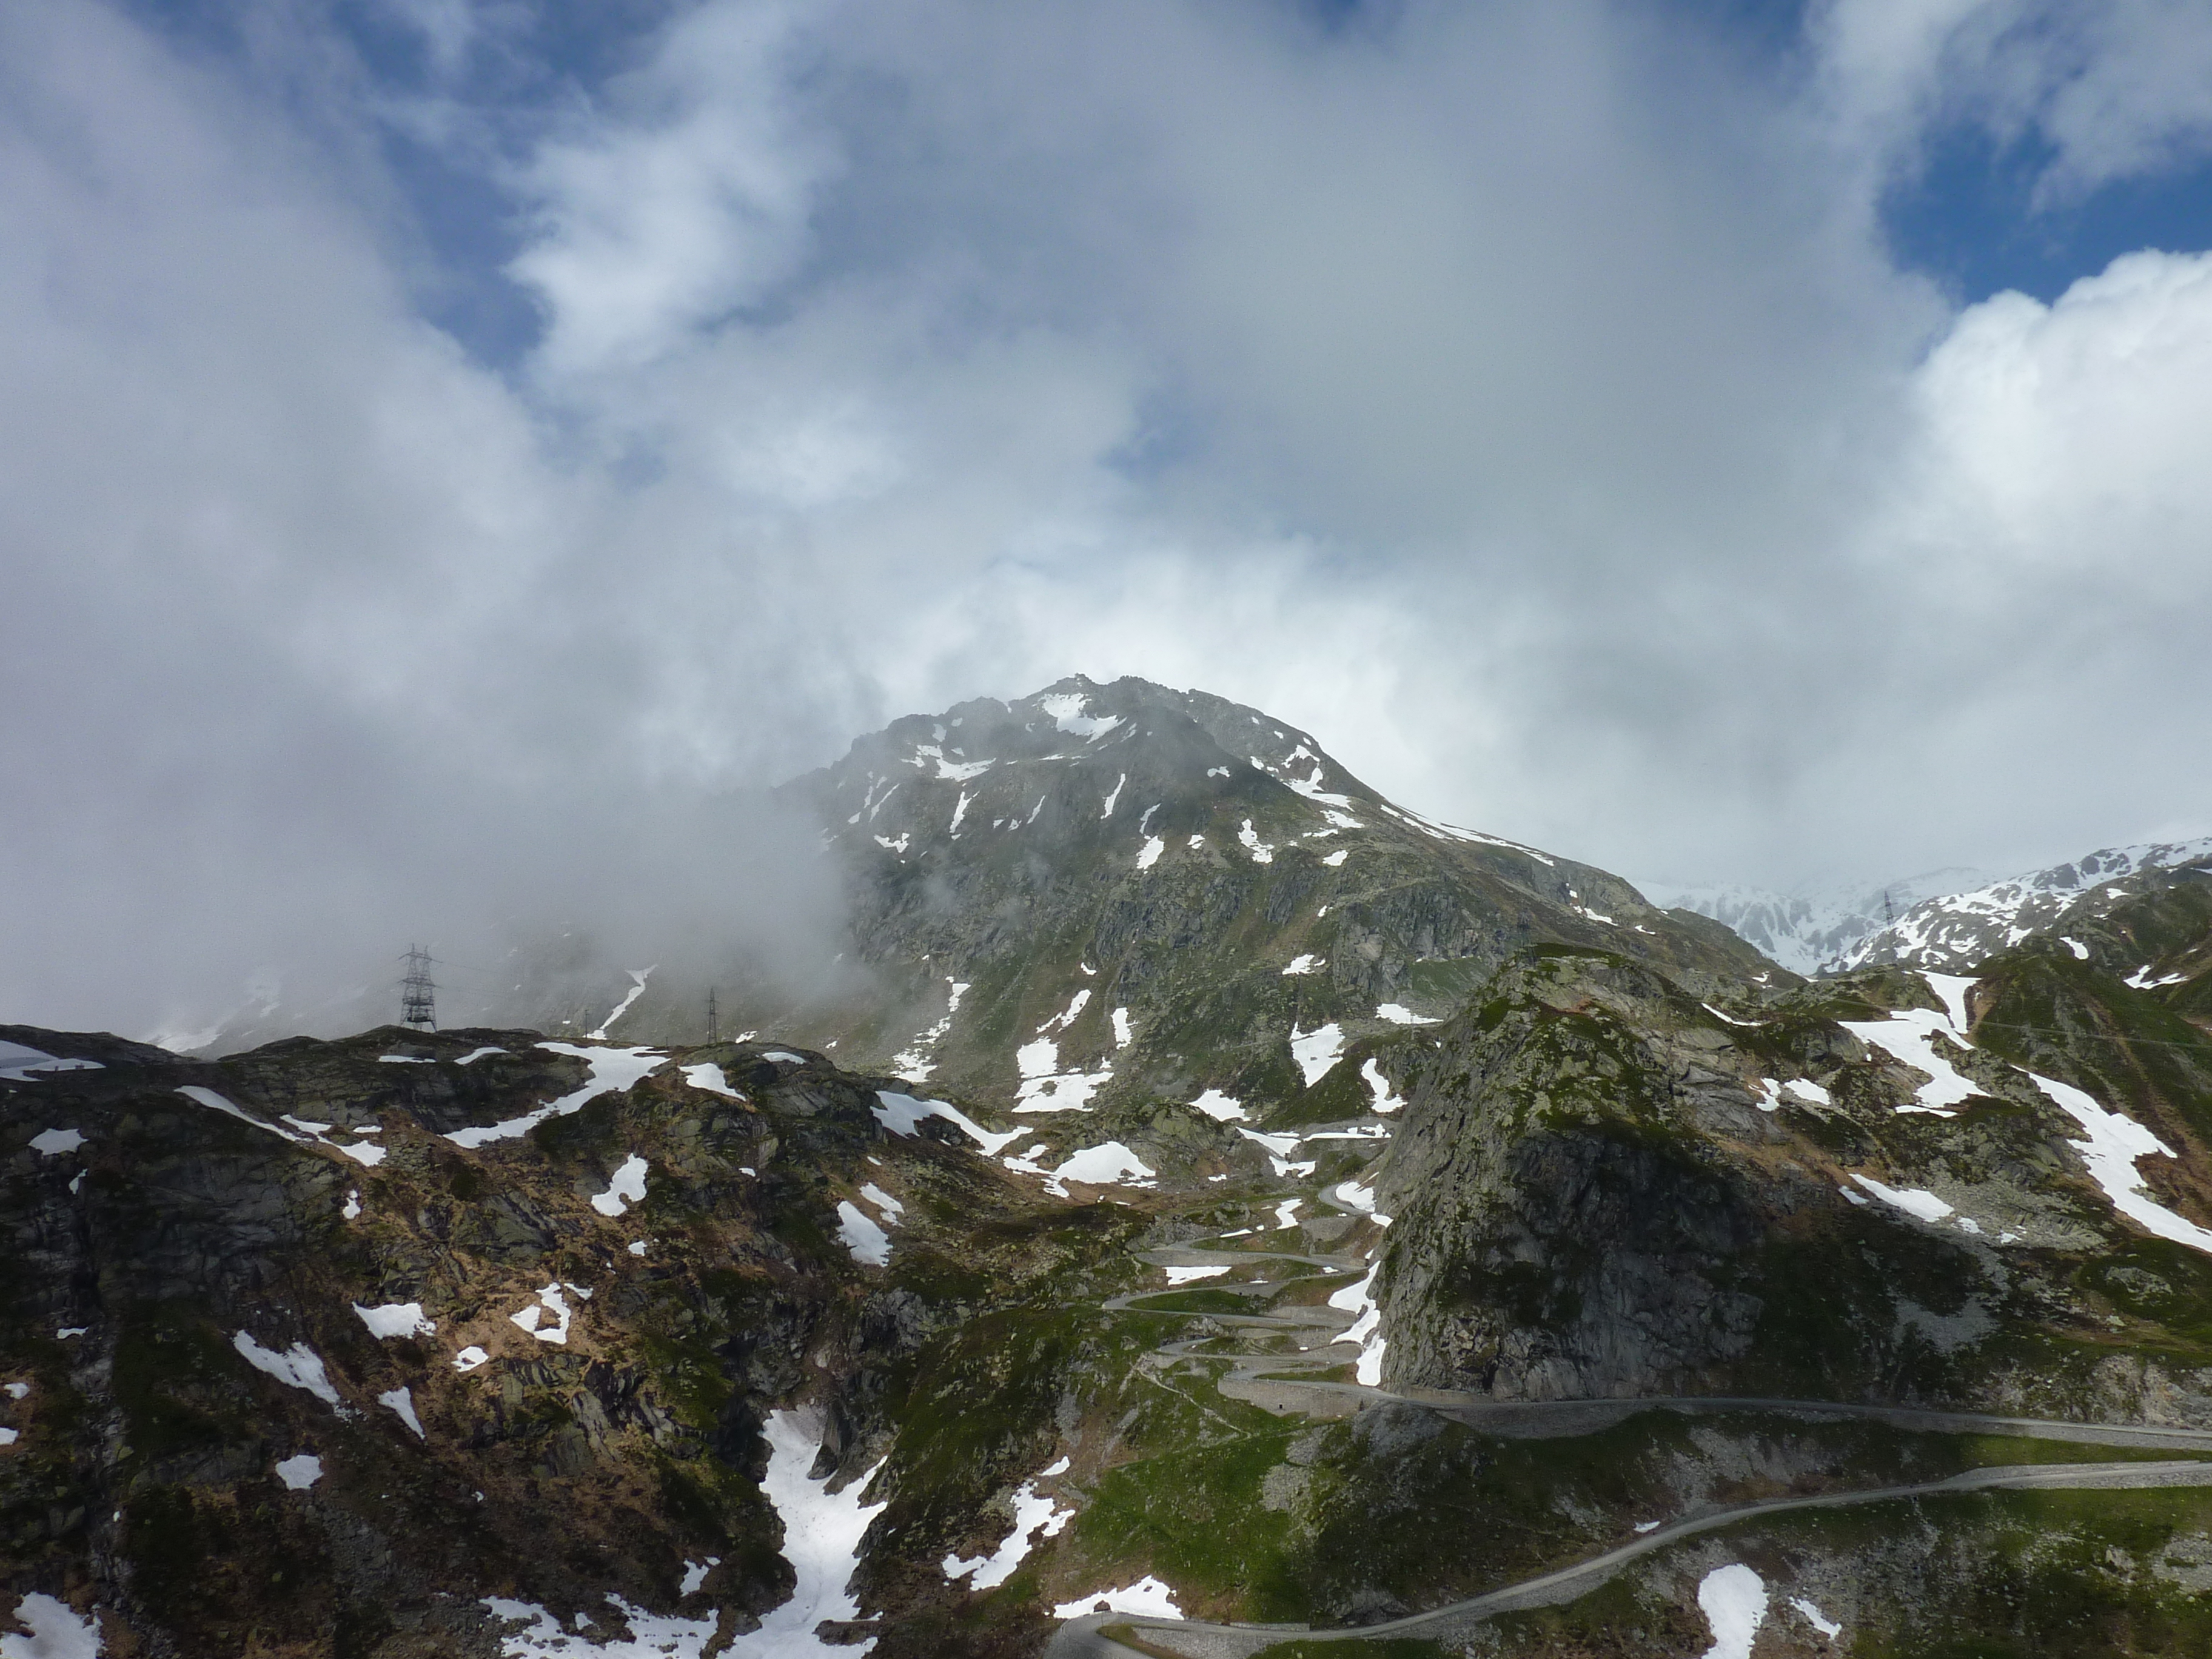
<point x="1604" y="1188"/>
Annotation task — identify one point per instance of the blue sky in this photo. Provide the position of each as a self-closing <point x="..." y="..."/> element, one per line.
<point x="1715" y="440"/>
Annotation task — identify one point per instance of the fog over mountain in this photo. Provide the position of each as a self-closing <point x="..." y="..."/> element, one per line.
<point x="448" y="447"/>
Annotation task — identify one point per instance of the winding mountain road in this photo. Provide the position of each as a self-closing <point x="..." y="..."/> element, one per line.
<point x="1272" y="1381"/>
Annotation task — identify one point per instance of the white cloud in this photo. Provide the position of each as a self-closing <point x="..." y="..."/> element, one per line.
<point x="2069" y="437"/>
<point x="2116" y="88"/>
<point x="685" y="197"/>
<point x="1517" y="397"/>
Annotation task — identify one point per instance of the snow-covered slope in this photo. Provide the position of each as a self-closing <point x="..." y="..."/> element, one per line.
<point x="1952" y="932"/>
<point x="1809" y="925"/>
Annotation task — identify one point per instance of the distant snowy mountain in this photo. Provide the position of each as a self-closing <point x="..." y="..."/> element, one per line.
<point x="1805" y="928"/>
<point x="1953" y="931"/>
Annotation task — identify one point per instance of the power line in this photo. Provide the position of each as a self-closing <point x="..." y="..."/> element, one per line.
<point x="2095" y="1037"/>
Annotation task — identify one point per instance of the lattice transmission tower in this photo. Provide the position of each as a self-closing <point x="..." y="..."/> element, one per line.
<point x="713" y="1019"/>
<point x="418" y="1005"/>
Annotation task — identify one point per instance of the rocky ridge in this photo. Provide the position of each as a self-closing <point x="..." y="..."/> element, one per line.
<point x="1953" y="931"/>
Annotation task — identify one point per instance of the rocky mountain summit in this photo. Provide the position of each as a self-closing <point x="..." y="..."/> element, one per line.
<point x="1210" y="1209"/>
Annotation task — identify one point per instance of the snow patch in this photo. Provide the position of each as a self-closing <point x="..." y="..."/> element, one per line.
<point x="57" y="1630"/>
<point x="1222" y="1109"/>
<point x="1452" y="832"/>
<point x="1908" y="1035"/>
<point x="1399" y="1014"/>
<point x="1115" y="795"/>
<point x="1110" y="1164"/>
<point x="1033" y="1517"/>
<point x="1387" y="1099"/>
<point x="2140" y="980"/>
<point x="1915" y="1202"/>
<point x="2114" y="1144"/>
<point x="298" y="1367"/>
<point x="915" y="1064"/>
<point x="901" y="1115"/>
<point x="860" y="1233"/>
<point x="1147" y="1598"/>
<point x="1149" y="855"/>
<point x="1260" y="852"/>
<point x="611" y="1069"/>
<point x="709" y="1079"/>
<point x="403" y="1402"/>
<point x="476" y="1055"/>
<point x="550" y="1300"/>
<point x="1316" y="1050"/>
<point x="1365" y="1332"/>
<point x="653" y="1635"/>
<point x="18" y="1064"/>
<point x="1733" y="1600"/>
<point x="1812" y="1616"/>
<point x="626" y="1188"/>
<point x="1192" y="1275"/>
<point x="637" y="979"/>
<point x="216" y="1103"/>
<point x="1067" y="709"/>
<point x="53" y="1142"/>
<point x="469" y="1358"/>
<point x="301" y="1472"/>
<point x="1335" y="859"/>
<point x="396" y="1319"/>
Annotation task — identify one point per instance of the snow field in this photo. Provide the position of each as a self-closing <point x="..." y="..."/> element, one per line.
<point x="52" y="1143"/>
<point x="822" y="1533"/>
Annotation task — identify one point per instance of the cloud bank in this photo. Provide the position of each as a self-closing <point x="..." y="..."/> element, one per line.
<point x="1524" y="397"/>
